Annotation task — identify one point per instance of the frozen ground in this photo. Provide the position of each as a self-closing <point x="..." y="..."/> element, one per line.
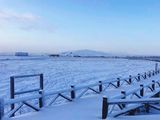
<point x="62" y="72"/>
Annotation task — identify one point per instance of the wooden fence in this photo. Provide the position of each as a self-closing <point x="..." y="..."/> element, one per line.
<point x="142" y="94"/>
<point x="131" y="110"/>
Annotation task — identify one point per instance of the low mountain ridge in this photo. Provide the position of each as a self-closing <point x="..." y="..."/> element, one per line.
<point x="85" y="53"/>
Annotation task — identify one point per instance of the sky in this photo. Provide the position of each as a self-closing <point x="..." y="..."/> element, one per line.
<point x="53" y="26"/>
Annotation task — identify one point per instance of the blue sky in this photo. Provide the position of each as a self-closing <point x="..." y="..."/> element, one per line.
<point x="50" y="26"/>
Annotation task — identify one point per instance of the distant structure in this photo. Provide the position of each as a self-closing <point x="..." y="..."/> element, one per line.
<point x="54" y="55"/>
<point x="21" y="54"/>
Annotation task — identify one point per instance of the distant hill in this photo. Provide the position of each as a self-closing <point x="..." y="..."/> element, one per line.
<point x="85" y="53"/>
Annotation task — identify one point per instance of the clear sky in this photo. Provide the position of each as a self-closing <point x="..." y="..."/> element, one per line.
<point x="49" y="26"/>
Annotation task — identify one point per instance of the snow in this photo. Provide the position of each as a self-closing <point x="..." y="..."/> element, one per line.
<point x="62" y="72"/>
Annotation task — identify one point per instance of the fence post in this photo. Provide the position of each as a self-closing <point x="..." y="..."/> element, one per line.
<point x="145" y="75"/>
<point x="123" y="97"/>
<point x="153" y="73"/>
<point x="1" y="108"/>
<point x="41" y="100"/>
<point x="149" y="73"/>
<point x="12" y="92"/>
<point x="147" y="108"/>
<point x="41" y="81"/>
<point x="73" y="95"/>
<point x="100" y="86"/>
<point x="118" y="82"/>
<point x="142" y="90"/>
<point x="153" y="85"/>
<point x="105" y="108"/>
<point x="130" y="79"/>
<point x="41" y="91"/>
<point x="156" y="67"/>
<point x="139" y="77"/>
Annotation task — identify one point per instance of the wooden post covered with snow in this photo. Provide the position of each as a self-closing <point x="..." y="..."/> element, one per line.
<point x="153" y="73"/>
<point x="139" y="77"/>
<point x="41" y="91"/>
<point x="130" y="79"/>
<point x="149" y="74"/>
<point x="100" y="86"/>
<point x="145" y="75"/>
<point x="12" y="92"/>
<point x="118" y="82"/>
<point x="153" y="85"/>
<point x="1" y="108"/>
<point x="156" y="68"/>
<point x="142" y="90"/>
<point x="41" y="100"/>
<point x="123" y="97"/>
<point x="105" y="108"/>
<point x="73" y="94"/>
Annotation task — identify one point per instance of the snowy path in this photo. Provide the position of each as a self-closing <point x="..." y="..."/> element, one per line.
<point x="88" y="108"/>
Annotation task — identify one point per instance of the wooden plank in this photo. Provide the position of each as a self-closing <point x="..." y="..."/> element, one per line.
<point x="27" y="91"/>
<point x="131" y="101"/>
<point x="10" y="114"/>
<point x="126" y="110"/>
<point x="155" y="107"/>
<point x="31" y="106"/>
<point x="1" y="108"/>
<point x="24" y="76"/>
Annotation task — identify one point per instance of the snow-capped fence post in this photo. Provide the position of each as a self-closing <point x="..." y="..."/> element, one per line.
<point x="41" y="91"/>
<point x="149" y="74"/>
<point x="12" y="92"/>
<point x="156" y="67"/>
<point x="142" y="90"/>
<point x="147" y="107"/>
<point x="153" y="73"/>
<point x="41" y="100"/>
<point x="100" y="86"/>
<point x="153" y="85"/>
<point x="145" y="75"/>
<point x="123" y="97"/>
<point x="1" y="108"/>
<point x="139" y="77"/>
<point x="105" y="108"/>
<point x="118" y="82"/>
<point x="130" y="79"/>
<point x="41" y="81"/>
<point x="73" y="94"/>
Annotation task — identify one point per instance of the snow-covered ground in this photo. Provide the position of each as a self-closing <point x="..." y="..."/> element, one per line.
<point x="60" y="73"/>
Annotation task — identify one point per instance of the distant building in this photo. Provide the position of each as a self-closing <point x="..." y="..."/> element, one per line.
<point x="21" y="54"/>
<point x="54" y="55"/>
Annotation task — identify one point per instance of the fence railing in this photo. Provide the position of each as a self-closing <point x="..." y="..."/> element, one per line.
<point x="68" y="94"/>
<point x="14" y="93"/>
<point x="146" y="102"/>
<point x="143" y="93"/>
